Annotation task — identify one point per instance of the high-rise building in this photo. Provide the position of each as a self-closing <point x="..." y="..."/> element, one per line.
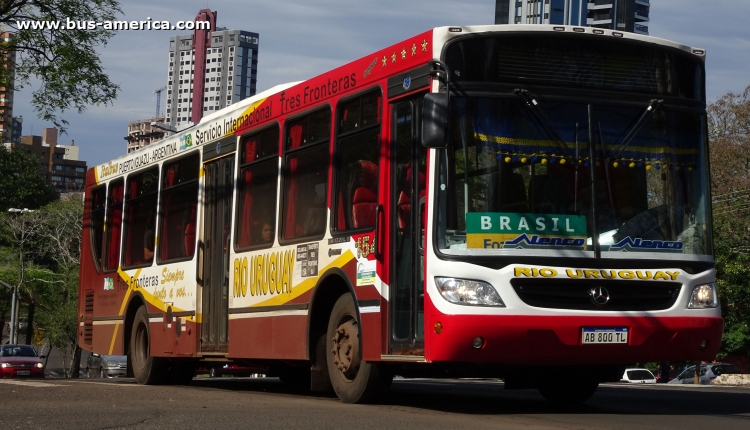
<point x="623" y="15"/>
<point x="6" y="93"/>
<point x="209" y="70"/>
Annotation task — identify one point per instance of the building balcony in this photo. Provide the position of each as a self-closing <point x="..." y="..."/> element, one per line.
<point x="600" y="4"/>
<point x="643" y="2"/>
<point x="640" y="29"/>
<point x="592" y="21"/>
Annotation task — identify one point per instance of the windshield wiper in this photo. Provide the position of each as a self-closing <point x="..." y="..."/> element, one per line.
<point x="653" y="105"/>
<point x="542" y="118"/>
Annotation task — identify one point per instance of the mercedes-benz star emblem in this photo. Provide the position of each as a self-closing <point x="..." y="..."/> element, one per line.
<point x="599" y="295"/>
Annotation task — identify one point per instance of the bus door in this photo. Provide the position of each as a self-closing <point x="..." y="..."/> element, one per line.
<point x="217" y="219"/>
<point x="408" y="187"/>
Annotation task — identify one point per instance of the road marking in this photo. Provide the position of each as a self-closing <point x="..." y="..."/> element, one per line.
<point x="27" y="383"/>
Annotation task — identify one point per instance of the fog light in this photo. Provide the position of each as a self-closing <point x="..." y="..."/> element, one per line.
<point x="438" y="328"/>
<point x="477" y="343"/>
<point x="703" y="345"/>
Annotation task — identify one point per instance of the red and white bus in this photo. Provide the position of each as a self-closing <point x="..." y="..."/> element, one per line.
<point x="522" y="202"/>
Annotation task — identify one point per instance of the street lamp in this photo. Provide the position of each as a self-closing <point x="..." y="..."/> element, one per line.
<point x="13" y="335"/>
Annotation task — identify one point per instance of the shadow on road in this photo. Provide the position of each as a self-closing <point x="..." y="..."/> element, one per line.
<point x="490" y="398"/>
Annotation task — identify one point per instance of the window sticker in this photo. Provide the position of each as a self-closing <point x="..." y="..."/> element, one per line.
<point x="498" y="230"/>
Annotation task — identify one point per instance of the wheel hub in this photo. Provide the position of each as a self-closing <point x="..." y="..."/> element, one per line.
<point x="346" y="348"/>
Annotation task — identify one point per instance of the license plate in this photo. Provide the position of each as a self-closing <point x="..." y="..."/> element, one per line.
<point x="593" y="335"/>
<point x="23" y="373"/>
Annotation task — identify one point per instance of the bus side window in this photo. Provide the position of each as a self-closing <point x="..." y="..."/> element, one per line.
<point x="114" y="225"/>
<point x="178" y="208"/>
<point x="306" y="149"/>
<point x="357" y="164"/>
<point x="97" y="203"/>
<point x="257" y="184"/>
<point x="140" y="218"/>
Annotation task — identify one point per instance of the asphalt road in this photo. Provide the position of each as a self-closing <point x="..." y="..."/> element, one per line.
<point x="229" y="403"/>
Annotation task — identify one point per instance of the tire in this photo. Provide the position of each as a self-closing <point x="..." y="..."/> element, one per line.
<point x="353" y="380"/>
<point x="212" y="373"/>
<point x="88" y="373"/>
<point x="568" y="393"/>
<point x="147" y="370"/>
<point x="101" y="373"/>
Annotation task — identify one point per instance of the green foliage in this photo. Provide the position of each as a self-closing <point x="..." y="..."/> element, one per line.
<point x="64" y="60"/>
<point x="729" y="133"/>
<point x="733" y="282"/>
<point x="42" y="258"/>
<point x="21" y="185"/>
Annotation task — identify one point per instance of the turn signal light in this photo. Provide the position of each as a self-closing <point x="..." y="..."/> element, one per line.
<point x="438" y="328"/>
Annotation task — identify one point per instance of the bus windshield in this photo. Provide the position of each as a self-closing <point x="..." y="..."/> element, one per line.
<point x="518" y="177"/>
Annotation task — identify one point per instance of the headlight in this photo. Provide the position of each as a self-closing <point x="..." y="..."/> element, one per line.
<point x="704" y="296"/>
<point x="4" y="365"/>
<point x="467" y="292"/>
<point x="39" y="365"/>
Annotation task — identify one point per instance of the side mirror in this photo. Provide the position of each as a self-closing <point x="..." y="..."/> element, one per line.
<point x="434" y="120"/>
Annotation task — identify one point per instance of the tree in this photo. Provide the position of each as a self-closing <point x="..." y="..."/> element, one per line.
<point x="63" y="59"/>
<point x="729" y="133"/>
<point x="59" y="244"/>
<point x="43" y="254"/>
<point x="21" y="185"/>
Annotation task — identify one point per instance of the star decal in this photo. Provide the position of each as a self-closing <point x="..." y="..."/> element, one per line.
<point x="403" y="54"/>
<point x="385" y="60"/>
<point x="424" y="45"/>
<point x="413" y="49"/>
<point x="393" y="57"/>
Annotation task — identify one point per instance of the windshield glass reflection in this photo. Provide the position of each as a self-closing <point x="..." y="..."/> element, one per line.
<point x="518" y="177"/>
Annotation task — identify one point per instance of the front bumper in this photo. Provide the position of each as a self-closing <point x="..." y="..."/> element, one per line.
<point x="35" y="372"/>
<point x="556" y="340"/>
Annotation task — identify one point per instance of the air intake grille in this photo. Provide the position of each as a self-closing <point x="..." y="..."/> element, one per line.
<point x="622" y="296"/>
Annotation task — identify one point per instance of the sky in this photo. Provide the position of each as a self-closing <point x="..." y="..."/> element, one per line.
<point x="300" y="39"/>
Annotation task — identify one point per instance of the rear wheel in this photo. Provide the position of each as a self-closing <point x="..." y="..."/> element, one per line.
<point x="212" y="373"/>
<point x="568" y="392"/>
<point x="147" y="370"/>
<point x="101" y="373"/>
<point x="88" y="373"/>
<point x="353" y="380"/>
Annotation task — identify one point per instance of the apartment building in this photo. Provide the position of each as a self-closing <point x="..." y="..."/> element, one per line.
<point x="623" y="15"/>
<point x="141" y="133"/>
<point x="209" y="70"/>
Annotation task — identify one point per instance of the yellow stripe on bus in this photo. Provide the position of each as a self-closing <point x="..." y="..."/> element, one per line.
<point x="307" y="284"/>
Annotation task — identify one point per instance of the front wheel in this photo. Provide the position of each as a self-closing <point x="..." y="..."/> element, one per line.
<point x="568" y="392"/>
<point x="147" y="370"/>
<point x="353" y="380"/>
<point x="101" y="373"/>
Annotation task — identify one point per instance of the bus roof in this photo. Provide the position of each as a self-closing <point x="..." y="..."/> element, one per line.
<point x="226" y="122"/>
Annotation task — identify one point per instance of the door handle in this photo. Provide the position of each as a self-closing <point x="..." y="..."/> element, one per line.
<point x="376" y="237"/>
<point x="199" y="271"/>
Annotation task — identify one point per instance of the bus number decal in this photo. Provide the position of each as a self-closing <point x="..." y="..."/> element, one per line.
<point x="263" y="275"/>
<point x="364" y="246"/>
